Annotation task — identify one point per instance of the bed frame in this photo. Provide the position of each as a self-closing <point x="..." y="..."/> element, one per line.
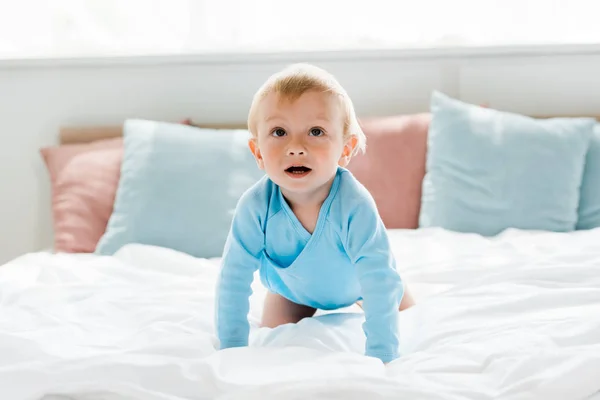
<point x="86" y="134"/>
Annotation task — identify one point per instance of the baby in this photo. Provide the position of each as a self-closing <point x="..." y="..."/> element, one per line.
<point x="309" y="227"/>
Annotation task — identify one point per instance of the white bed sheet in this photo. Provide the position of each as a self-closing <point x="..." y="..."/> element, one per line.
<point x="514" y="317"/>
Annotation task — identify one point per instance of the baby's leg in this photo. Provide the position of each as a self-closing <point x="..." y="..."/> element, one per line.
<point x="278" y="311"/>
<point x="407" y="300"/>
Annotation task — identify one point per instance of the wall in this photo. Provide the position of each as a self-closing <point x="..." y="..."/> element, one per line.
<point x="36" y="97"/>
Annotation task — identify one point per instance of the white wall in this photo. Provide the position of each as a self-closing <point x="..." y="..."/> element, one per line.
<point x="36" y="97"/>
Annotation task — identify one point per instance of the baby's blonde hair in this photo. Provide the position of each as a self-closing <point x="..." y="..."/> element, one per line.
<point x="297" y="79"/>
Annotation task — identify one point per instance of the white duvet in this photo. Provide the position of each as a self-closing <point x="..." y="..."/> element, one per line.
<point x="514" y="317"/>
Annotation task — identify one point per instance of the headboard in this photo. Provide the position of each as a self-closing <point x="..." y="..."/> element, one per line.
<point x="86" y="134"/>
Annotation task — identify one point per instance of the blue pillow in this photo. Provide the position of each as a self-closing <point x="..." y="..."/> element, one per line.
<point x="488" y="170"/>
<point x="178" y="188"/>
<point x="589" y="204"/>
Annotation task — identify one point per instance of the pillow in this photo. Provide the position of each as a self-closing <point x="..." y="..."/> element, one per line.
<point x="179" y="187"/>
<point x="393" y="167"/>
<point x="83" y="179"/>
<point x="589" y="204"/>
<point x="489" y="170"/>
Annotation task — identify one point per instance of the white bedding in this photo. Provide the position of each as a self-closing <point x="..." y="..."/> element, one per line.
<point x="514" y="317"/>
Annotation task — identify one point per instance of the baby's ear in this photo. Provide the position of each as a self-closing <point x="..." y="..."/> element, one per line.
<point x="348" y="151"/>
<point x="253" y="144"/>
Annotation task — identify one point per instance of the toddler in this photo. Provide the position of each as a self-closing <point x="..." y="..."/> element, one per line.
<point x="309" y="227"/>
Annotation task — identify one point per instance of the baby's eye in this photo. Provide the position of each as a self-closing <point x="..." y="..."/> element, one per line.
<point x="278" y="132"/>
<point x="317" y="132"/>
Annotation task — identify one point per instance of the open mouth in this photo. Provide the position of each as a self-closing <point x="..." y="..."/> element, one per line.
<point x="298" y="171"/>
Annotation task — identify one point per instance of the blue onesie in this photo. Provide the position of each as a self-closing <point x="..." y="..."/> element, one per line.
<point x="347" y="258"/>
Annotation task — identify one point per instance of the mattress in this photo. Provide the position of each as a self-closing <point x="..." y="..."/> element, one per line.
<point x="516" y="316"/>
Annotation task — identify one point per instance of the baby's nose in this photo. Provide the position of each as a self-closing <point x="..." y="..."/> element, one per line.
<point x="295" y="152"/>
<point x="296" y="148"/>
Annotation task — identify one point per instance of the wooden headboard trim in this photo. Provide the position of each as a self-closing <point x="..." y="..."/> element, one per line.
<point x="87" y="134"/>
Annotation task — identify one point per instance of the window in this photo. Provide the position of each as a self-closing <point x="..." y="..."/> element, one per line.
<point x="84" y="28"/>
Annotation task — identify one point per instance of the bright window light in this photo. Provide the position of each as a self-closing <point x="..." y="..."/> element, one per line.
<point x="96" y="28"/>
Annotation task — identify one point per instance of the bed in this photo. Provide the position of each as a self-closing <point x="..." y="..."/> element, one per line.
<point x="501" y="318"/>
<point x="510" y="316"/>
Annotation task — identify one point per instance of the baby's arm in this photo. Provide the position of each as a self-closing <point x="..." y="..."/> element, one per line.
<point x="369" y="249"/>
<point x="240" y="260"/>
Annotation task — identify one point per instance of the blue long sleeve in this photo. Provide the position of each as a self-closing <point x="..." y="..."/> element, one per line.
<point x="241" y="258"/>
<point x="347" y="257"/>
<point x="381" y="286"/>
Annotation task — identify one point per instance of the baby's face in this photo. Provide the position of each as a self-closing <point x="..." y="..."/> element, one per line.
<point x="300" y="143"/>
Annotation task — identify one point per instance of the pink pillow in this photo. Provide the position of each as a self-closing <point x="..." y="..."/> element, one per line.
<point x="84" y="180"/>
<point x="393" y="167"/>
